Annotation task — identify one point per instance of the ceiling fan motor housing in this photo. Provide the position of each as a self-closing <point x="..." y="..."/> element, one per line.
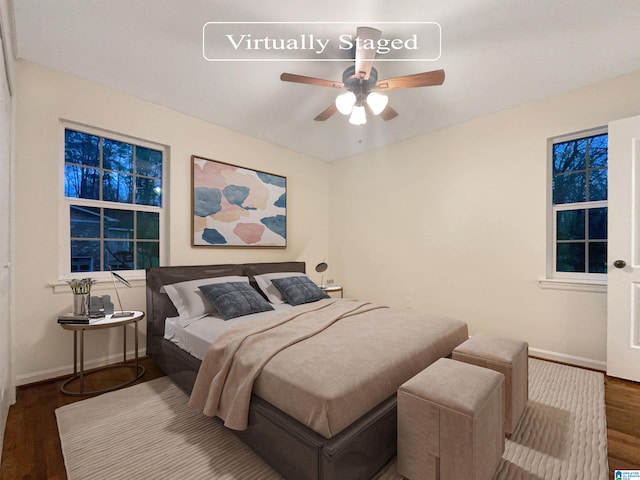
<point x="359" y="86"/>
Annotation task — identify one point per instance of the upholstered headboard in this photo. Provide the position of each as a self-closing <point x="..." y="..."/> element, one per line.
<point x="159" y="306"/>
<point x="253" y="269"/>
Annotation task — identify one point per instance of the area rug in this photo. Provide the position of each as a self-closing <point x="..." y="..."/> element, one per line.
<point x="149" y="432"/>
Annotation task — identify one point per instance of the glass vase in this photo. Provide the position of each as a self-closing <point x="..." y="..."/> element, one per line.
<point x="81" y="302"/>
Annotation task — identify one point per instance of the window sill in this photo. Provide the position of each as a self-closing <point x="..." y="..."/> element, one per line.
<point x="576" y="285"/>
<point x="102" y="284"/>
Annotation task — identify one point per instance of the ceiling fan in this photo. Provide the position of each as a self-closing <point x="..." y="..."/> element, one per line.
<point x="362" y="84"/>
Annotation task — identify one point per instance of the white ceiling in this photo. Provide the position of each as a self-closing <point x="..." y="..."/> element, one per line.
<point x="497" y="54"/>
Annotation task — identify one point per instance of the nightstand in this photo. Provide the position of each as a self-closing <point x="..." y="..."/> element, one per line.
<point x="95" y="324"/>
<point x="332" y="289"/>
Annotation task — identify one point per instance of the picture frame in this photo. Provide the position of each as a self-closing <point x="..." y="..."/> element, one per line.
<point x="235" y="206"/>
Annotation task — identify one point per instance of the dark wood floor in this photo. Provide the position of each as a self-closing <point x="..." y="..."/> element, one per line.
<point x="32" y="447"/>
<point x="622" y="400"/>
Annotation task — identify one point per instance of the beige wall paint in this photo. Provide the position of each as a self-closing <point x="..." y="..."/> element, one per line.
<point x="451" y="222"/>
<point x="454" y="222"/>
<point x="41" y="348"/>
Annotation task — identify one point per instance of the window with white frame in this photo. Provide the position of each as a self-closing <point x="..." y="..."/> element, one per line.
<point x="113" y="189"/>
<point x="579" y="205"/>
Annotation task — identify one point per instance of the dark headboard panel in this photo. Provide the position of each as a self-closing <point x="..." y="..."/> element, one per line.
<point x="159" y="306"/>
<point x="253" y="269"/>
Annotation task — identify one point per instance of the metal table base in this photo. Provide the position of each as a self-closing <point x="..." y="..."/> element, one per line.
<point x="138" y="370"/>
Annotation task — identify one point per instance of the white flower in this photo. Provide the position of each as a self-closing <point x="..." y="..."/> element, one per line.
<point x="82" y="286"/>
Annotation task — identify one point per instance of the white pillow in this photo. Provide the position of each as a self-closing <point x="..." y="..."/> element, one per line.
<point x="190" y="303"/>
<point x="269" y="289"/>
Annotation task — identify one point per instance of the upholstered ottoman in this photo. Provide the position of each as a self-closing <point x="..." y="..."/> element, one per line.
<point x="450" y="419"/>
<point x="507" y="356"/>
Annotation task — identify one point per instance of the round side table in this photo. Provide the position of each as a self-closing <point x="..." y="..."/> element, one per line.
<point x="109" y="321"/>
<point x="333" y="289"/>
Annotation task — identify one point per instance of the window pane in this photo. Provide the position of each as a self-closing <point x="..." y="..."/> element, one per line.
<point x="118" y="255"/>
<point x="148" y="162"/>
<point x="570" y="225"/>
<point x="109" y="171"/>
<point x="148" y="255"/>
<point x="580" y="175"/>
<point x="85" y="256"/>
<point x="117" y="156"/>
<point x="598" y="223"/>
<point x="118" y="223"/>
<point x="117" y="187"/>
<point x="81" y="148"/>
<point x="147" y="225"/>
<point x="598" y="184"/>
<point x="148" y="191"/>
<point x="570" y="257"/>
<point x="598" y="151"/>
<point x="569" y="156"/>
<point x="80" y="182"/>
<point x="85" y="222"/>
<point x="569" y="188"/>
<point x="598" y="257"/>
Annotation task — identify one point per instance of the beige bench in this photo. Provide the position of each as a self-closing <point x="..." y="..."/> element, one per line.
<point x="450" y="419"/>
<point x="507" y="356"/>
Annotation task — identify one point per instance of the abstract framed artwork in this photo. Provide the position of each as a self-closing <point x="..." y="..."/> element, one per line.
<point x="237" y="207"/>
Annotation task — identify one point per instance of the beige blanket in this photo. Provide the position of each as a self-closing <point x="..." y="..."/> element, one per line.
<point x="325" y="363"/>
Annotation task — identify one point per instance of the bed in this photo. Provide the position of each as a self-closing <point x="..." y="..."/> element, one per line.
<point x="277" y="428"/>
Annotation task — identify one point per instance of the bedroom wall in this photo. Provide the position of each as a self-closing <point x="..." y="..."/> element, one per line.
<point x="454" y="222"/>
<point x="41" y="348"/>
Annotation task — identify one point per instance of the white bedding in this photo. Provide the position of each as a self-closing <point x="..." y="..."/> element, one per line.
<point x="199" y="334"/>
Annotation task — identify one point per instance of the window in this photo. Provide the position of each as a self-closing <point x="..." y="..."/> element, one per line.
<point x="579" y="205"/>
<point x="113" y="191"/>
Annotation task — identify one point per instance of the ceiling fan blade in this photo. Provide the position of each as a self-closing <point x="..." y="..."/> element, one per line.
<point x="424" y="79"/>
<point x="388" y="113"/>
<point x="292" y="77"/>
<point x="326" y="113"/>
<point x="365" y="56"/>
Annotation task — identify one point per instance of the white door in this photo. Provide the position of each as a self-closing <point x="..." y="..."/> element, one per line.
<point x="623" y="293"/>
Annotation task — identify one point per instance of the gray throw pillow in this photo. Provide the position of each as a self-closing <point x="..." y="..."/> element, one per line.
<point x="299" y="290"/>
<point x="234" y="299"/>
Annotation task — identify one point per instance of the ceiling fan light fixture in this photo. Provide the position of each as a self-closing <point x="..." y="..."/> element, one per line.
<point x="345" y="102"/>
<point x="358" y="116"/>
<point x="377" y="102"/>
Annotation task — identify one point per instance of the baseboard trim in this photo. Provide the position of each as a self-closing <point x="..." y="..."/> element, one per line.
<point x="68" y="369"/>
<point x="89" y="364"/>
<point x="569" y="359"/>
